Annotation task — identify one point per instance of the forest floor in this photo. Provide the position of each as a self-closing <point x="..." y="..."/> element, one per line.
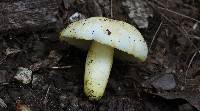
<point x="169" y="80"/>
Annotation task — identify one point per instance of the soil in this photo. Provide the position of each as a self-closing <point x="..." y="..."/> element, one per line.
<point x="168" y="80"/>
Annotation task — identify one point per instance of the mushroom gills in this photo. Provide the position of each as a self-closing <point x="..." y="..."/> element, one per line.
<point x="97" y="69"/>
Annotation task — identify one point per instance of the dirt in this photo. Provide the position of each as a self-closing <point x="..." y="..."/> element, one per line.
<point x="168" y="80"/>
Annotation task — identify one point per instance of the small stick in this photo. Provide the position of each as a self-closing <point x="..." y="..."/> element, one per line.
<point x="171" y="11"/>
<point x="191" y="60"/>
<point x="2" y="103"/>
<point x="60" y="67"/>
<point x="46" y="97"/>
<point x="155" y="35"/>
<point x="111" y="11"/>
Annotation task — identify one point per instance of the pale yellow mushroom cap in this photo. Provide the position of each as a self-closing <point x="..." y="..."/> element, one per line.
<point x="114" y="33"/>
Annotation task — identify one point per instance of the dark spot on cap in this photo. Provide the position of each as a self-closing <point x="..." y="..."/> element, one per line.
<point x="90" y="61"/>
<point x="108" y="31"/>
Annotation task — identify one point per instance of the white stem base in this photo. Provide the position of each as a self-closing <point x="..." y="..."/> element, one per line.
<point x="97" y="70"/>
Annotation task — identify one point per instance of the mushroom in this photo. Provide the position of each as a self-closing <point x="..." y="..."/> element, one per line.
<point x="101" y="35"/>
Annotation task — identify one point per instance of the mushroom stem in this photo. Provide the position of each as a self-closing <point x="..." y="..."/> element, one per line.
<point x="97" y="70"/>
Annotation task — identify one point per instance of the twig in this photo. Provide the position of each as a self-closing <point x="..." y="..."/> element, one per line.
<point x="171" y="11"/>
<point x="46" y="97"/>
<point x="2" y="60"/>
<point x="194" y="37"/>
<point x="61" y="67"/>
<point x="191" y="60"/>
<point x="181" y="30"/>
<point x="155" y="35"/>
<point x="4" y="83"/>
<point x="98" y="10"/>
<point x="187" y="36"/>
<point x="2" y="103"/>
<point x="111" y="11"/>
